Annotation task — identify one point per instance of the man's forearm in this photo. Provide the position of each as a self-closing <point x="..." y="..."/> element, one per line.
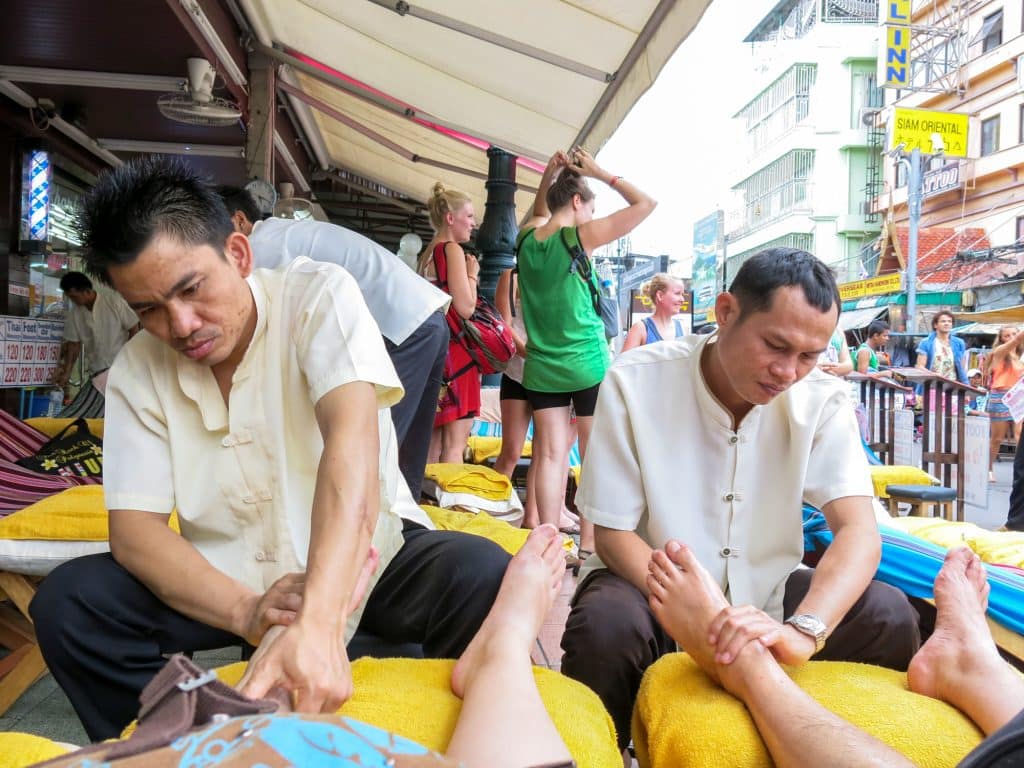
<point x="175" y="571"/>
<point x="625" y="554"/>
<point x="843" y="573"/>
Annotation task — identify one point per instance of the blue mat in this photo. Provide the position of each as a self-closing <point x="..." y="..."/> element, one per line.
<point x="911" y="564"/>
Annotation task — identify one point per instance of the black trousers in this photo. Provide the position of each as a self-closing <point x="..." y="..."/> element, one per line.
<point x="419" y="362"/>
<point x="103" y="634"/>
<point x="1015" y="517"/>
<point x="611" y="636"/>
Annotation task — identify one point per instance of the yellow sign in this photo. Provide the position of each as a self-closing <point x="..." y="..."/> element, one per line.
<point x="896" y="63"/>
<point x="871" y="287"/>
<point x="913" y="128"/>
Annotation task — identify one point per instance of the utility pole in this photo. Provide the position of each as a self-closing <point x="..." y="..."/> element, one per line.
<point x="913" y="224"/>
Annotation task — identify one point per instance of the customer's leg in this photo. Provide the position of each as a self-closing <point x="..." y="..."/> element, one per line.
<point x="515" y="421"/>
<point x="998" y="431"/>
<point x="550" y="427"/>
<point x="881" y="628"/>
<point x="436" y="591"/>
<point x="610" y="639"/>
<point x="419" y="362"/>
<point x="454" y="437"/>
<point x="583" y="426"/>
<point x="103" y="635"/>
<point x="513" y="729"/>
<point x="796" y="729"/>
<point x="960" y="663"/>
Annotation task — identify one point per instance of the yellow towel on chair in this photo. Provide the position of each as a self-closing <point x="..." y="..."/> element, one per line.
<point x="413" y="698"/>
<point x="883" y="475"/>
<point x="683" y="720"/>
<point x="470" y="478"/>
<point x="501" y="533"/>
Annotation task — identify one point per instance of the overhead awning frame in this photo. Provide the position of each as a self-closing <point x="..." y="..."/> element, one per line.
<point x="853" y="319"/>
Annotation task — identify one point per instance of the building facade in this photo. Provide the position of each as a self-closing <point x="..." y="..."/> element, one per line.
<point x="810" y="165"/>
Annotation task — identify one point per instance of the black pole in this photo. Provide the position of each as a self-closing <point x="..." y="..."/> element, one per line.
<point x="496" y="237"/>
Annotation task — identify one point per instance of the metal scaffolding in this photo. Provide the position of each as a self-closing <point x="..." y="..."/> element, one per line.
<point x="938" y="46"/>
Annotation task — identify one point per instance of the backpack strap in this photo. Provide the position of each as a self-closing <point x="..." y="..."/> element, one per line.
<point x="512" y="279"/>
<point x="580" y="263"/>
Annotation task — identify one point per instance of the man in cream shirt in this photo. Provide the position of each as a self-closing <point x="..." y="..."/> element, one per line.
<point x="716" y="441"/>
<point x="254" y="405"/>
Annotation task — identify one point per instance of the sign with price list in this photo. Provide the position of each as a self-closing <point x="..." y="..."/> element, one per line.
<point x="29" y="350"/>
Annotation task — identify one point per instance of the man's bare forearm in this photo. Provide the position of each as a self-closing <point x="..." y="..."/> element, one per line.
<point x="175" y="571"/>
<point x="625" y="554"/>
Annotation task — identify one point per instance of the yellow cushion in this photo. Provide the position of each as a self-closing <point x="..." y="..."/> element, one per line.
<point x="413" y="698"/>
<point x="683" y="720"/>
<point x="470" y="478"/>
<point x="18" y="750"/>
<point x="51" y="426"/>
<point x="501" y="533"/>
<point x="883" y="475"/>
<point x="483" y="448"/>
<point x="75" y="514"/>
<point x="945" y="533"/>
<point x="1005" y="547"/>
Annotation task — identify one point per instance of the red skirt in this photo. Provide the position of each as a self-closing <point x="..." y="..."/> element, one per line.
<point x="460" y="399"/>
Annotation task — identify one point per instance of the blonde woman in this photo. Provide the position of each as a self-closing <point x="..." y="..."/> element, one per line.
<point x="1002" y="369"/>
<point x="451" y="269"/>
<point x="666" y="295"/>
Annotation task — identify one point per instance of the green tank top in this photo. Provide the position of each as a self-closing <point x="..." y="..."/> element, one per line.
<point x="873" y="360"/>
<point x="565" y="346"/>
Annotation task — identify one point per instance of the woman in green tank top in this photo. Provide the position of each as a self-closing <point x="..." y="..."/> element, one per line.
<point x="566" y="352"/>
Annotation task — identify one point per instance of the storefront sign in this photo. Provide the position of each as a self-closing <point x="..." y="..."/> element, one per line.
<point x="903" y="437"/>
<point x="913" y="128"/>
<point x="707" y="238"/>
<point x="896" y="44"/>
<point x="29" y="350"/>
<point x="976" y="456"/>
<point x="940" y="180"/>
<point x="874" y="286"/>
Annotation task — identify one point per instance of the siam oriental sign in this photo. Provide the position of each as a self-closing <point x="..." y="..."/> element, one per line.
<point x="896" y="44"/>
<point x="914" y="129"/>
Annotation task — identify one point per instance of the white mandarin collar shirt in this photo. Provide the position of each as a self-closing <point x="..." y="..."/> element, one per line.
<point x="664" y="461"/>
<point x="242" y="475"/>
<point x="101" y="331"/>
<point x="399" y="299"/>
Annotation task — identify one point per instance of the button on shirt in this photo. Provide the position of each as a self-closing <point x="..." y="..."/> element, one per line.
<point x="101" y="331"/>
<point x="399" y="299"/>
<point x="673" y="467"/>
<point x="242" y="476"/>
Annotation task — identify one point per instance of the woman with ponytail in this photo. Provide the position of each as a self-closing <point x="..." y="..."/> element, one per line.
<point x="566" y="351"/>
<point x="666" y="296"/>
<point x="451" y="269"/>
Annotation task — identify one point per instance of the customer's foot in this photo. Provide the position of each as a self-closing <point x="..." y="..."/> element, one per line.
<point x="961" y="646"/>
<point x="685" y="599"/>
<point x="531" y="584"/>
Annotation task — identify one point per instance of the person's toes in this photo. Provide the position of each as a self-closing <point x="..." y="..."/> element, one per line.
<point x="681" y="555"/>
<point x="665" y="570"/>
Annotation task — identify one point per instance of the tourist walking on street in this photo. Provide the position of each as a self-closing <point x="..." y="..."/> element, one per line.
<point x="667" y="296"/>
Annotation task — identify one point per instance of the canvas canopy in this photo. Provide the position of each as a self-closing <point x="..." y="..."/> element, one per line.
<point x="1014" y="314"/>
<point x="406" y="94"/>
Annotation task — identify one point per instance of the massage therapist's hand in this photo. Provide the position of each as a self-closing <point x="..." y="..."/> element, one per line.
<point x="308" y="659"/>
<point x="278" y="605"/>
<point x="736" y="626"/>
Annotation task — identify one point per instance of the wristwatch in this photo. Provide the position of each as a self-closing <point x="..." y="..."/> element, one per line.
<point x="811" y="626"/>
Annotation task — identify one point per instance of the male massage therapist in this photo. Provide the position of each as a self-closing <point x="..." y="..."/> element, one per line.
<point x="256" y="405"/>
<point x="744" y="429"/>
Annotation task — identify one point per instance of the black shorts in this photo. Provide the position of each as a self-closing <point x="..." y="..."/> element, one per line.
<point x="583" y="401"/>
<point x="511" y="389"/>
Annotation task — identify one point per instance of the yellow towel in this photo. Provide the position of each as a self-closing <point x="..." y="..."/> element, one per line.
<point x="483" y="448"/>
<point x="1006" y="547"/>
<point x="75" y="514"/>
<point x="413" y="698"/>
<point x="51" y="426"/>
<point x="945" y="533"/>
<point x="470" y="478"/>
<point x="18" y="750"/>
<point x="501" y="533"/>
<point x="883" y="475"/>
<point x="683" y="720"/>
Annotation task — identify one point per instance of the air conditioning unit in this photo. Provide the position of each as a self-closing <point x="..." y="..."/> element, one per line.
<point x="868" y="115"/>
<point x="1020" y="74"/>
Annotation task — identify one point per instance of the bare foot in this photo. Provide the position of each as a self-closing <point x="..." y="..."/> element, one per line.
<point x="531" y="584"/>
<point x="961" y="644"/>
<point x="684" y="599"/>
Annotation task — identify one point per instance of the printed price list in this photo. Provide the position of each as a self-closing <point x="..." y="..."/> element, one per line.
<point x="29" y="350"/>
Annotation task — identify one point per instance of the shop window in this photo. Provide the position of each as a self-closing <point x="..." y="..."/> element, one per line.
<point x="990" y="136"/>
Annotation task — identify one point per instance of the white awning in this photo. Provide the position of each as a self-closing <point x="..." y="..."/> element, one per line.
<point x="852" y="319"/>
<point x="418" y="95"/>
